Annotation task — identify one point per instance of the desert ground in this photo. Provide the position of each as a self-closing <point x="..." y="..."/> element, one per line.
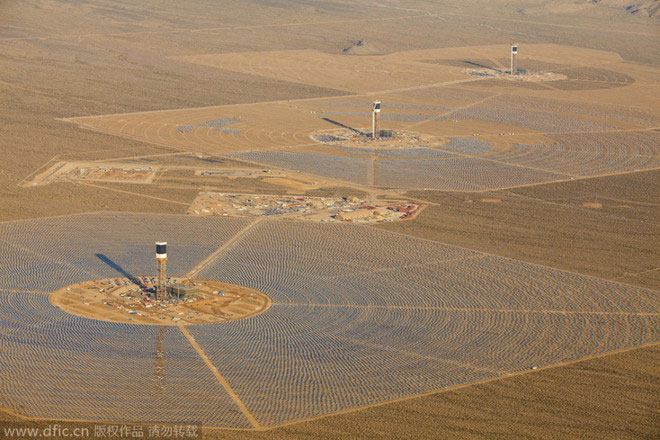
<point x="519" y="298"/>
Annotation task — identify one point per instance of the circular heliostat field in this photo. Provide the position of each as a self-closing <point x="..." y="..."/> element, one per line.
<point x="359" y="316"/>
<point x="131" y="301"/>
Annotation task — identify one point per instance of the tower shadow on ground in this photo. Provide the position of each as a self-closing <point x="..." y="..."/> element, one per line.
<point x="483" y="66"/>
<point x="343" y="126"/>
<point x="119" y="269"/>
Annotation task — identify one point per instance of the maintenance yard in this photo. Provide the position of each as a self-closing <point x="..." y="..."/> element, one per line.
<point x="366" y="315"/>
<point x="320" y="209"/>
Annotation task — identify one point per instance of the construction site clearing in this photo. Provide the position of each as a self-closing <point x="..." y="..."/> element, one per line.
<point x="189" y="301"/>
<point x="119" y="172"/>
<point x="93" y="171"/>
<point x="319" y="209"/>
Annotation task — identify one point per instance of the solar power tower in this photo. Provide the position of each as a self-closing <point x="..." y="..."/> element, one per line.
<point x="514" y="66"/>
<point x="161" y="260"/>
<point x="375" y="120"/>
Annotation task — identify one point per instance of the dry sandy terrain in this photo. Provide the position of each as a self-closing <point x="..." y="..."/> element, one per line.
<point x="131" y="76"/>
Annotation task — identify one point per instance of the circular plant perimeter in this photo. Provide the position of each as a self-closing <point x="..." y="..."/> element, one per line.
<point x="133" y="301"/>
<point x="389" y="139"/>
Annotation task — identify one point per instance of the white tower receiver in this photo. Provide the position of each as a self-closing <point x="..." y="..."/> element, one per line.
<point x="375" y="120"/>
<point x="514" y="52"/>
<point x="161" y="261"/>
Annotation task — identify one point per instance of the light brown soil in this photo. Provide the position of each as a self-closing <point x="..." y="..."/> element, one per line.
<point x="290" y="123"/>
<point x="291" y="183"/>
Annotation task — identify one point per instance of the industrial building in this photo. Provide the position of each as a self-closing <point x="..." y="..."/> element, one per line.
<point x="181" y="291"/>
